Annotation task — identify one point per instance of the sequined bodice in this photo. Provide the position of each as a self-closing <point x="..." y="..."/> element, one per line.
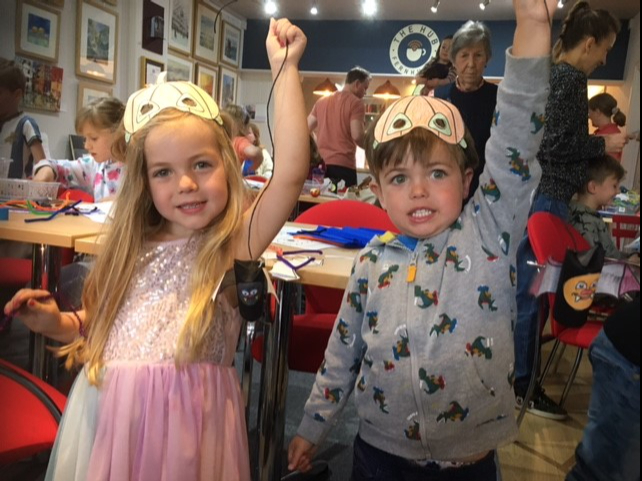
<point x="149" y="322"/>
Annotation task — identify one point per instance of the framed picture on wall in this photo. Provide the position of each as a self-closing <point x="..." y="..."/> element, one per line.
<point x="207" y="79"/>
<point x="43" y="86"/>
<point x="149" y="71"/>
<point x="206" y="34"/>
<point x="88" y="91"/>
<point x="179" y="68"/>
<point x="231" y="47"/>
<point x="96" y="42"/>
<point x="227" y="87"/>
<point x="54" y="3"/>
<point x="180" y="25"/>
<point x="37" y="31"/>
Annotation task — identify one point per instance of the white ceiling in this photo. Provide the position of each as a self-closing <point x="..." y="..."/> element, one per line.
<point x="412" y="9"/>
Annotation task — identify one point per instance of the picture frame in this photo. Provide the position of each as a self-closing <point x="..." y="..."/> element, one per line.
<point x="111" y="2"/>
<point x="181" y="13"/>
<point x="228" y="86"/>
<point x="96" y="42"/>
<point x="88" y="91"/>
<point x="206" y="34"/>
<point x="231" y="45"/>
<point x="179" y="68"/>
<point x="153" y="27"/>
<point x="43" y="84"/>
<point x="54" y="3"/>
<point x="37" y="31"/>
<point x="207" y="78"/>
<point x="149" y="71"/>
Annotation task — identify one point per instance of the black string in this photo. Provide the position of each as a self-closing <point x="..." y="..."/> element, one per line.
<point x="220" y="11"/>
<point x="249" y="229"/>
<point x="548" y="14"/>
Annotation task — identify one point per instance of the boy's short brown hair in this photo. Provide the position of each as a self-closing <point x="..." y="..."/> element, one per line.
<point x="11" y="76"/>
<point x="601" y="168"/>
<point x="419" y="143"/>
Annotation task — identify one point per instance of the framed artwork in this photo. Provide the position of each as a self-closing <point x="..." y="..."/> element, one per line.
<point x="180" y="25"/>
<point x="88" y="91"/>
<point x="37" y="31"/>
<point x="54" y="3"/>
<point x="206" y="34"/>
<point x="43" y="86"/>
<point x="153" y="27"/>
<point x="231" y="48"/>
<point x="207" y="79"/>
<point x="179" y="68"/>
<point x="96" y="42"/>
<point x="227" y="87"/>
<point x="149" y="71"/>
<point x="111" y="2"/>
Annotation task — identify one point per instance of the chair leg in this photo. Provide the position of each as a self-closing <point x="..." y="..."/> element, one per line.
<point x="246" y="382"/>
<point x="549" y="361"/>
<point x="558" y="359"/>
<point x="571" y="377"/>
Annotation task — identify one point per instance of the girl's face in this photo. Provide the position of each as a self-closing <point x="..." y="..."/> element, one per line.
<point x="444" y="50"/>
<point x="98" y="141"/>
<point x="423" y="198"/>
<point x="186" y="175"/>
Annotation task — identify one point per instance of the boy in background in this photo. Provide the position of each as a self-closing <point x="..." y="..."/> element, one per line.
<point x="604" y="176"/>
<point x="20" y="137"/>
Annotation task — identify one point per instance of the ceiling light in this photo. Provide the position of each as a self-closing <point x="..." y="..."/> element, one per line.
<point x="325" y="88"/>
<point x="387" y="91"/>
<point x="315" y="9"/>
<point x="435" y="6"/>
<point x="561" y="4"/>
<point x="484" y="4"/>
<point x="270" y="7"/>
<point x="369" y="7"/>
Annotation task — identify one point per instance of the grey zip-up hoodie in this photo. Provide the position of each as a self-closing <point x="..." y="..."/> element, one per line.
<point x="432" y="357"/>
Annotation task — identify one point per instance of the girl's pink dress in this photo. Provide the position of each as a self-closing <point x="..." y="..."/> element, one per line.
<point x="149" y="420"/>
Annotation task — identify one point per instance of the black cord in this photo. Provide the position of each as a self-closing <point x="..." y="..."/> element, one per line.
<point x="249" y="229"/>
<point x="220" y="11"/>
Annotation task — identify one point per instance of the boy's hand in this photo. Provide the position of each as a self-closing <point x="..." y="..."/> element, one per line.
<point x="280" y="34"/>
<point x="300" y="454"/>
<point x="35" y="308"/>
<point x="533" y="32"/>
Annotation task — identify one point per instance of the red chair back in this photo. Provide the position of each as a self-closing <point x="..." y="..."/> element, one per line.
<point x="625" y="227"/>
<point x="340" y="213"/>
<point x="76" y="194"/>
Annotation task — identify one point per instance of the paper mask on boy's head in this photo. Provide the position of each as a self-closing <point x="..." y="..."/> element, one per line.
<point x="145" y="104"/>
<point x="408" y="113"/>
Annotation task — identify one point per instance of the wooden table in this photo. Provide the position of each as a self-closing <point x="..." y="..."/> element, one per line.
<point x="48" y="238"/>
<point x="319" y="199"/>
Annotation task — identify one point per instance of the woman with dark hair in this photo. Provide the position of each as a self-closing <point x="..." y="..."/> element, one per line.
<point x="606" y="117"/>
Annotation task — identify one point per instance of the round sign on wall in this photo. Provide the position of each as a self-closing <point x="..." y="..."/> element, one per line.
<point x="413" y="47"/>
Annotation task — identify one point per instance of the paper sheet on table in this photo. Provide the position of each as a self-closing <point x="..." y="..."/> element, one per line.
<point x="285" y="238"/>
<point x="282" y="271"/>
<point x="103" y="214"/>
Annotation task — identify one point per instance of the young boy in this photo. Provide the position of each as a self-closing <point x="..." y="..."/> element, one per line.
<point x="604" y="176"/>
<point x="20" y="137"/>
<point x="425" y="333"/>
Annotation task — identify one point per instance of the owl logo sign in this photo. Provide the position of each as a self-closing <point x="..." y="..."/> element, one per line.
<point x="412" y="47"/>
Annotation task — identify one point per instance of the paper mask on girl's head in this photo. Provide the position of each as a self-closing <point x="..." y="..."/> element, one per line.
<point x="145" y="104"/>
<point x="438" y="116"/>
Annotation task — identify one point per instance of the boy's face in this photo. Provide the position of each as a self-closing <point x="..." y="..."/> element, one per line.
<point x="606" y="191"/>
<point x="444" y="50"/>
<point x="9" y="102"/>
<point x="423" y="198"/>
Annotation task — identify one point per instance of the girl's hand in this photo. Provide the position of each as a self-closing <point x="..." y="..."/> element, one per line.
<point x="36" y="309"/>
<point x="280" y="34"/>
<point x="533" y="32"/>
<point x="535" y="10"/>
<point x="300" y="454"/>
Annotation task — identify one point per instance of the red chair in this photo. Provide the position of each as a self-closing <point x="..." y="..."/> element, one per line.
<point x="625" y="227"/>
<point x="311" y="330"/>
<point x="30" y="412"/>
<point x="550" y="237"/>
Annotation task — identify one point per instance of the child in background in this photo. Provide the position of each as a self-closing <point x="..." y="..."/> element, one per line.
<point x="586" y="38"/>
<point x="425" y="332"/>
<point x="606" y="117"/>
<point x="97" y="173"/>
<point x="158" y="397"/>
<point x="20" y="138"/>
<point x="249" y="155"/>
<point x="254" y="136"/>
<point x="604" y="176"/>
<point x="440" y="71"/>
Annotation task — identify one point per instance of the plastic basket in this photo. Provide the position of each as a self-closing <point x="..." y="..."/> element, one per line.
<point x="311" y="184"/>
<point x="4" y="168"/>
<point x="11" y="189"/>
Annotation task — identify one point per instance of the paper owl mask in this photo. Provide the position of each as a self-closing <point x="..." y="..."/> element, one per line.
<point x="438" y="116"/>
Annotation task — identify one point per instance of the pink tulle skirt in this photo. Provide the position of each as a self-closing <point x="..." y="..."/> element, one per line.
<point x="153" y="422"/>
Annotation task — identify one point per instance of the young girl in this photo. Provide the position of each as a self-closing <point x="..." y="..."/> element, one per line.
<point x="254" y="136"/>
<point x="249" y="155"/>
<point x="158" y="398"/>
<point x="606" y="117"/>
<point x="438" y="72"/>
<point x="97" y="173"/>
<point x="587" y="36"/>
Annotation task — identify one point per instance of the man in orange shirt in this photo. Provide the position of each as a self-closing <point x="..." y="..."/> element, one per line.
<point x="339" y="120"/>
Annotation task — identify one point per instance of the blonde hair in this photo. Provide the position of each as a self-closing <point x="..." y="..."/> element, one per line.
<point x="135" y="219"/>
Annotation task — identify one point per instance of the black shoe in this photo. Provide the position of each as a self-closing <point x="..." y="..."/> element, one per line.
<point x="542" y="405"/>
